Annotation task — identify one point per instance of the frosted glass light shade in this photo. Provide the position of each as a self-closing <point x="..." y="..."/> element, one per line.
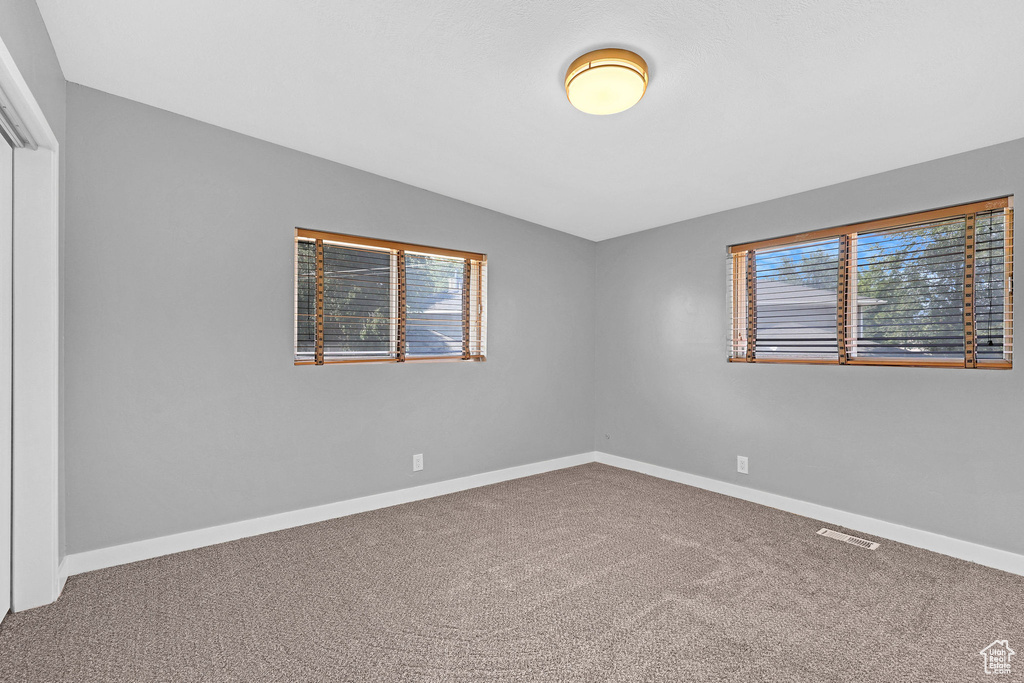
<point x="606" y="81"/>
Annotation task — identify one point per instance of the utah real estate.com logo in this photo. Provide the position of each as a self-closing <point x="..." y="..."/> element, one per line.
<point x="997" y="657"/>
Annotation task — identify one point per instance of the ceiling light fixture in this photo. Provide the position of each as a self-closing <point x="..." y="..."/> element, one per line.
<point x="606" y="81"/>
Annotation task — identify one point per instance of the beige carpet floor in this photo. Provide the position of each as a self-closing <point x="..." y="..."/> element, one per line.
<point x="586" y="574"/>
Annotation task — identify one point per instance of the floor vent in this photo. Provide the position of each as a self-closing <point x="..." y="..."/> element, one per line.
<point x="847" y="538"/>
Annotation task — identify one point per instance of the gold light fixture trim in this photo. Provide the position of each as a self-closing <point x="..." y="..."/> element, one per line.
<point x="606" y="81"/>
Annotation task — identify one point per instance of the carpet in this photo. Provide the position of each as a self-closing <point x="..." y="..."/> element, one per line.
<point x="585" y="574"/>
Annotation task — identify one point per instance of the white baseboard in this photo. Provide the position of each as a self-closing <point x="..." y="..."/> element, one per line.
<point x="78" y="563"/>
<point x="964" y="550"/>
<point x="62" y="576"/>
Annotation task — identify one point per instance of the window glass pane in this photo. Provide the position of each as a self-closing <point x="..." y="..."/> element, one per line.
<point x="909" y="292"/>
<point x="433" y="295"/>
<point x="305" y="301"/>
<point x="357" y="303"/>
<point x="796" y="301"/>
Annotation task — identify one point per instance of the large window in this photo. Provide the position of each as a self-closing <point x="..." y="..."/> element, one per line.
<point x="359" y="300"/>
<point x="926" y="289"/>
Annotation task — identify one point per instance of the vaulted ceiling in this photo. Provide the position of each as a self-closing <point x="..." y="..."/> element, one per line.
<point x="748" y="99"/>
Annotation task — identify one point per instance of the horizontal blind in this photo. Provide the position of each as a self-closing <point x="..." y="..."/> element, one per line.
<point x="795" y="304"/>
<point x="477" y="309"/>
<point x="359" y="303"/>
<point x="305" y="300"/>
<point x="993" y="304"/>
<point x="930" y="289"/>
<point x="434" y="302"/>
<point x="737" y="285"/>
<point x="359" y="300"/>
<point x="910" y="286"/>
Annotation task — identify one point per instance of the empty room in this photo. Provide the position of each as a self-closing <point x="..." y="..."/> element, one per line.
<point x="533" y="341"/>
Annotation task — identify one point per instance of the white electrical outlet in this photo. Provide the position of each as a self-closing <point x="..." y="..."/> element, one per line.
<point x="741" y="464"/>
<point x="417" y="462"/>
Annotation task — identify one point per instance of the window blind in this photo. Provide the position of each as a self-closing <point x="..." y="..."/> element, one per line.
<point x="360" y="300"/>
<point x="993" y="285"/>
<point x="795" y="303"/>
<point x="434" y="305"/>
<point x="357" y="303"/>
<point x="933" y="288"/>
<point x="910" y="283"/>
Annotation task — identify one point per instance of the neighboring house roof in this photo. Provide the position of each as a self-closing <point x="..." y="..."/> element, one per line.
<point x="767" y="331"/>
<point x="781" y="292"/>
<point x="801" y="332"/>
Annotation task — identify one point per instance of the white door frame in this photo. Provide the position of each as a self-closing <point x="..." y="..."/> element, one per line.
<point x="37" y="351"/>
<point x="6" y="261"/>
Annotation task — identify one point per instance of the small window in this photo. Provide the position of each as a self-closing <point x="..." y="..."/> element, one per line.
<point x="927" y="289"/>
<point x="360" y="300"/>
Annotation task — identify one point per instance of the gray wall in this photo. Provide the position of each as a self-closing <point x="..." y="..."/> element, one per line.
<point x="935" y="449"/>
<point x="183" y="408"/>
<point x="24" y="33"/>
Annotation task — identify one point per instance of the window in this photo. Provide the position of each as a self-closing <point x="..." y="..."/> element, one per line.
<point x="926" y="289"/>
<point x="362" y="300"/>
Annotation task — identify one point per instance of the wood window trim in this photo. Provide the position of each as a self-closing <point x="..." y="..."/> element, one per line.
<point x="354" y="240"/>
<point x="318" y="354"/>
<point x="970" y="334"/>
<point x="473" y="322"/>
<point x="743" y="287"/>
<point x="417" y="359"/>
<point x="907" y="220"/>
<point x="884" y="362"/>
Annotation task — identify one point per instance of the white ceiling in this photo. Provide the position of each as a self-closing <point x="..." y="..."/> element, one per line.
<point x="748" y="99"/>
